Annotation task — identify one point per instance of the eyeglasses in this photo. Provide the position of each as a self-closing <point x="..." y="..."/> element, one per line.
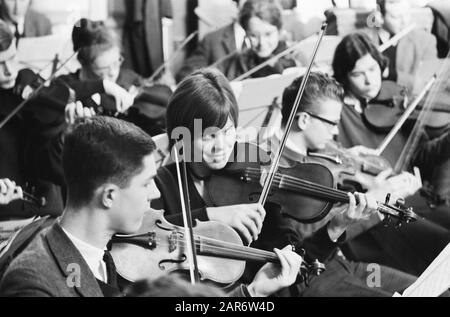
<point x="332" y="123"/>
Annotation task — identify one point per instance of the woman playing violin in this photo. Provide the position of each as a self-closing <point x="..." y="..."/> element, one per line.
<point x="206" y="97"/>
<point x="358" y="66"/>
<point x="262" y="22"/>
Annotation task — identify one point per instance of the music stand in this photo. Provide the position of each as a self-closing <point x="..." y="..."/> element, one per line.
<point x="42" y="54"/>
<point x="259" y="99"/>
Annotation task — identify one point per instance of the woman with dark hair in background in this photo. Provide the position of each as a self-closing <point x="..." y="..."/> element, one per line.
<point x="358" y="66"/>
<point x="24" y="21"/>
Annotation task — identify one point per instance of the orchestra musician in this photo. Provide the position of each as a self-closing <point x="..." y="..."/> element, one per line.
<point x="406" y="55"/>
<point x="15" y="139"/>
<point x="263" y="25"/>
<point x="215" y="46"/>
<point x="358" y="66"/>
<point x="214" y="105"/>
<point x="110" y="169"/>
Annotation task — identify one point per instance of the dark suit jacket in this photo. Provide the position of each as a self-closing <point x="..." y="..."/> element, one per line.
<point x="37" y="24"/>
<point x="47" y="267"/>
<point x="215" y="46"/>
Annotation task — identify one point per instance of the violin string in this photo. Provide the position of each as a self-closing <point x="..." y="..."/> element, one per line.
<point x="316" y="188"/>
<point x="221" y="251"/>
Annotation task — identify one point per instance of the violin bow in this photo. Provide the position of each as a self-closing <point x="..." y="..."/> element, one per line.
<point x="284" y="53"/>
<point x="272" y="173"/>
<point x="414" y="140"/>
<point x="405" y="117"/>
<point x="187" y="215"/>
<point x="35" y="92"/>
<point x="396" y="38"/>
<point x="173" y="57"/>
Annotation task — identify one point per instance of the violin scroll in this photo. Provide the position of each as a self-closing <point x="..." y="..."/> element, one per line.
<point x="400" y="212"/>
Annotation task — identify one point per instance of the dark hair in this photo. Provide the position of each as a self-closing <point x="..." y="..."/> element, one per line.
<point x="6" y="36"/>
<point x="267" y="10"/>
<point x="205" y="95"/>
<point x="100" y="150"/>
<point x="352" y="48"/>
<point x="5" y="15"/>
<point x="171" y="286"/>
<point x="90" y="39"/>
<point x="318" y="88"/>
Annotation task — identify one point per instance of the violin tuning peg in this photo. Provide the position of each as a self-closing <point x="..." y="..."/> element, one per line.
<point x="388" y="199"/>
<point x="401" y="203"/>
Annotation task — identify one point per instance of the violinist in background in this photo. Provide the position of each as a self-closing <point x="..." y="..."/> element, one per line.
<point x="215" y="106"/>
<point x="263" y="24"/>
<point x="215" y="46"/>
<point x="23" y="21"/>
<point x="106" y="82"/>
<point x="410" y="249"/>
<point x="15" y="138"/>
<point x="406" y="55"/>
<point x="358" y="66"/>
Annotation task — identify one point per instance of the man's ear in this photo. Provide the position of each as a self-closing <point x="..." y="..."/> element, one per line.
<point x="109" y="195"/>
<point x="303" y="121"/>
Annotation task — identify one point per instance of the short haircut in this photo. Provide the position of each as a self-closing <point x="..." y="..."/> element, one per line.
<point x="92" y="38"/>
<point x="6" y="36"/>
<point x="318" y="88"/>
<point x="102" y="150"/>
<point x="352" y="48"/>
<point x="269" y="11"/>
<point x="205" y="95"/>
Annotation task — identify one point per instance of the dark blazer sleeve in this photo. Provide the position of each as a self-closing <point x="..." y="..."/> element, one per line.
<point x="170" y="201"/>
<point x="25" y="282"/>
<point x="433" y="152"/>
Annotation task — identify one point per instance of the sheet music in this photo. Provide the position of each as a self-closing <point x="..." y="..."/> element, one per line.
<point x="436" y="279"/>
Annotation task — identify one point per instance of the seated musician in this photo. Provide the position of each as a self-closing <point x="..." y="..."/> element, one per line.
<point x="9" y="192"/>
<point x="24" y="21"/>
<point x="214" y="105"/>
<point x="99" y="53"/>
<point x="15" y="138"/>
<point x="406" y="55"/>
<point x="216" y="46"/>
<point x="110" y="169"/>
<point x="262" y="22"/>
<point x="358" y="67"/>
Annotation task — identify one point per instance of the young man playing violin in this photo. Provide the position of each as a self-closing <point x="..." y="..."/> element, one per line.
<point x="206" y="97"/>
<point x="411" y="248"/>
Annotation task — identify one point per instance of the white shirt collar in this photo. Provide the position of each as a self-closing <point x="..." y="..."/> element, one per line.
<point x="92" y="255"/>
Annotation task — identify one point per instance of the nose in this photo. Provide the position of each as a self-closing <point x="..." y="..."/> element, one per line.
<point x="7" y="69"/>
<point x="219" y="143"/>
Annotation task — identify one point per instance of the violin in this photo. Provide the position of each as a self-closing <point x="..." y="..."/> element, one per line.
<point x="353" y="171"/>
<point x="305" y="192"/>
<point x="160" y="248"/>
<point x="382" y="113"/>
